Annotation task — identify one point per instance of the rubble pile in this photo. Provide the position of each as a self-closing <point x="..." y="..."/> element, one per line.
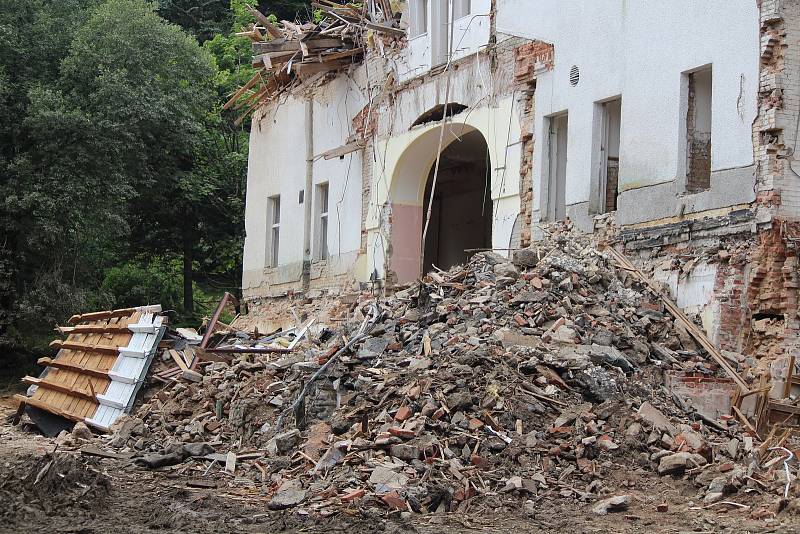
<point x="494" y="384"/>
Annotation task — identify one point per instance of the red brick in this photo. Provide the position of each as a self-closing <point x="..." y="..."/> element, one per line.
<point x="394" y="501"/>
<point x="479" y="462"/>
<point x="353" y="495"/>
<point x="402" y="432"/>
<point x="403" y="413"/>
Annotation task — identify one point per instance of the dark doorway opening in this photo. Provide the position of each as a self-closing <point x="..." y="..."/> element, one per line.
<point x="461" y="217"/>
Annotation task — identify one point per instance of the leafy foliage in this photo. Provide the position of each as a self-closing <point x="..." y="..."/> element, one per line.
<point x="121" y="183"/>
<point x="137" y="283"/>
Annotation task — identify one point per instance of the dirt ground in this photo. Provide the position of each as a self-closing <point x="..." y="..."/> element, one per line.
<point x="46" y="489"/>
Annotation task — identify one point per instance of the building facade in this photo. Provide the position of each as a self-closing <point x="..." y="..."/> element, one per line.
<point x="491" y="119"/>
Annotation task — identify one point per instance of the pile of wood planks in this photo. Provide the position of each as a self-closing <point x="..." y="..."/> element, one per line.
<point x="288" y="54"/>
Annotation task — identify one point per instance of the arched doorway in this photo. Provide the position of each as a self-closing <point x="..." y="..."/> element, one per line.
<point x="461" y="214"/>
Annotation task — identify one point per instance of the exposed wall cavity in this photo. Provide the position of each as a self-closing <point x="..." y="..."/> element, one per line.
<point x="698" y="130"/>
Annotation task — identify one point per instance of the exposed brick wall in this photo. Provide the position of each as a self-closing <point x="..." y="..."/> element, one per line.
<point x="730" y="290"/>
<point x="772" y="293"/>
<point x="528" y="59"/>
<point x="779" y="104"/>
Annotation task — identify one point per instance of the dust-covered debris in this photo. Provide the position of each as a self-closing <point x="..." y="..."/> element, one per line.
<point x="481" y="388"/>
<point x="39" y="486"/>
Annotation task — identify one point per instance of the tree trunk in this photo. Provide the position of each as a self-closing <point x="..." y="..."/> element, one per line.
<point x="188" y="249"/>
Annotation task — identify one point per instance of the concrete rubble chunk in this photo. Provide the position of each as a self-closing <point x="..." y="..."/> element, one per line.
<point x="677" y="463"/>
<point x="618" y="503"/>
<point x="81" y="432"/>
<point x="290" y="493"/>
<point x="286" y="441"/>
<point x="526" y="257"/>
<point x="385" y="480"/>
<point x="651" y="414"/>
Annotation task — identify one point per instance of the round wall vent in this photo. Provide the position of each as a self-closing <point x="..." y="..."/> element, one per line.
<point x="574" y="75"/>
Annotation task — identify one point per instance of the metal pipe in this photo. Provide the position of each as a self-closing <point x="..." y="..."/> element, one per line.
<point x="307" y="194"/>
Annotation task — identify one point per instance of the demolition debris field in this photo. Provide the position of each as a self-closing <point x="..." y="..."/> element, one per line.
<point x="528" y="394"/>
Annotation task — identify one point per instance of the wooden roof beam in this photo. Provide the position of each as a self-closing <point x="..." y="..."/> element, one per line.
<point x="85" y="347"/>
<point x="93" y="329"/>
<point x="69" y="366"/>
<point x="61" y="388"/>
<point x="101" y="315"/>
<point x="22" y="399"/>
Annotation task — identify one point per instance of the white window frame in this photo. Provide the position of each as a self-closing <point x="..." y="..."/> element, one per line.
<point x="461" y="9"/>
<point x="420" y="20"/>
<point x="274" y="227"/>
<point x="323" y="192"/>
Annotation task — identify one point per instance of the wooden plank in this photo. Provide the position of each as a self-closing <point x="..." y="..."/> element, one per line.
<point x="178" y="359"/>
<point x="30" y="401"/>
<point x="91" y="450"/>
<point x="309" y="69"/>
<point x="93" y="329"/>
<point x="250" y="83"/>
<point x="746" y="422"/>
<point x="316" y="43"/>
<point x="341" y="55"/>
<point x="212" y="324"/>
<point x="783" y="408"/>
<point x="278" y="45"/>
<point x="272" y="30"/>
<point x="678" y="314"/>
<point x="394" y="32"/>
<point x="97" y="316"/>
<point x="59" y="364"/>
<point x="43" y="383"/>
<point x="342" y="150"/>
<point x="86" y="347"/>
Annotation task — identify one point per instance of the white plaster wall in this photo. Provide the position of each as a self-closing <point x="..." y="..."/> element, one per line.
<point x="694" y="293"/>
<point x="277" y="166"/>
<point x="639" y="50"/>
<point x="470" y="34"/>
<point x="333" y="112"/>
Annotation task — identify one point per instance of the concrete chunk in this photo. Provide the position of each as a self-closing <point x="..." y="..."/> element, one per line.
<point x="653" y="415"/>
<point x="677" y="463"/>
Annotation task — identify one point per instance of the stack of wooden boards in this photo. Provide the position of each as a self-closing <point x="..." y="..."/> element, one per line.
<point x="99" y="367"/>
<point x="285" y="52"/>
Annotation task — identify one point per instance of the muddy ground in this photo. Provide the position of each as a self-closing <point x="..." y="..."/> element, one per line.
<point x="48" y="489"/>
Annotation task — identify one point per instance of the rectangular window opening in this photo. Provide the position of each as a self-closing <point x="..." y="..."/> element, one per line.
<point x="698" y="130"/>
<point x="461" y="8"/>
<point x="322" y="221"/>
<point x="608" y="156"/>
<point x="557" y="167"/>
<point x="419" y="17"/>
<point x="274" y="218"/>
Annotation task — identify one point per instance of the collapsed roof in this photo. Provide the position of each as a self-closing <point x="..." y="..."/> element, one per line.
<point x="288" y="54"/>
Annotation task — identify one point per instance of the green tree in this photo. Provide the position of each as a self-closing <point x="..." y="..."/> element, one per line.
<point x="154" y="97"/>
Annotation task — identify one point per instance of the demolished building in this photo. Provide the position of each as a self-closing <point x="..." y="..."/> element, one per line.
<point x="670" y="128"/>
